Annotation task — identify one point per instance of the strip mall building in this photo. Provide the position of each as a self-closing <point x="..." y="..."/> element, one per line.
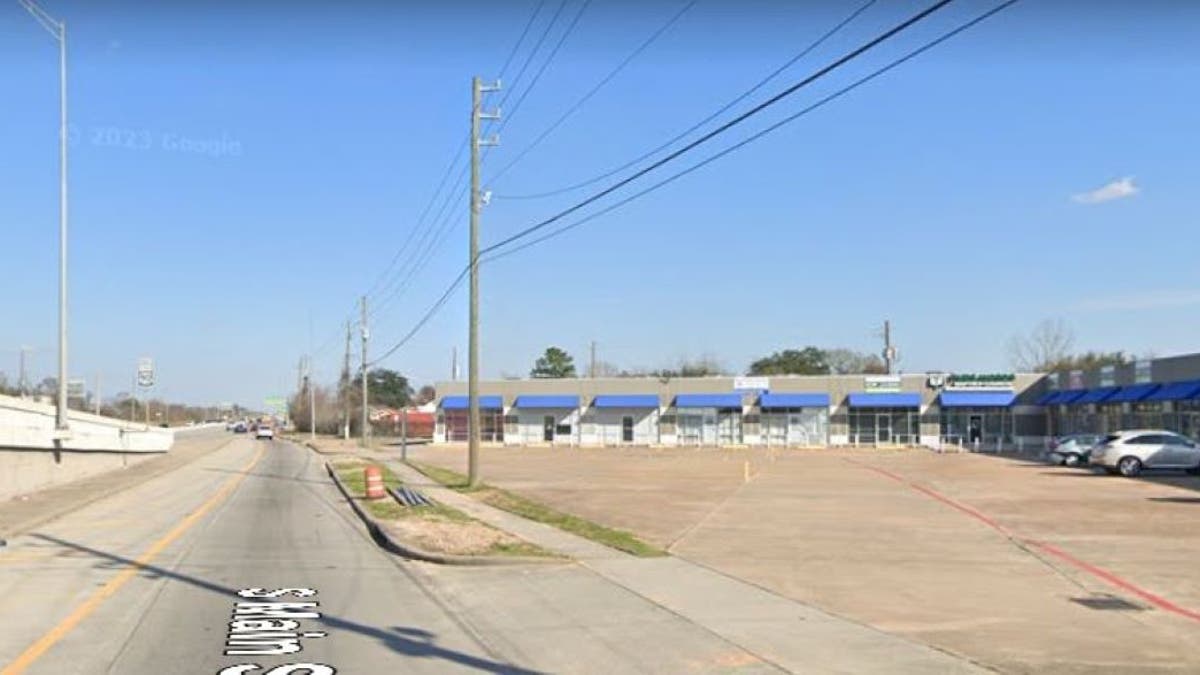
<point x="983" y="411"/>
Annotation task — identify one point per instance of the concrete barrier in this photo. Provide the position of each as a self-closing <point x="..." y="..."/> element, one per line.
<point x="34" y="456"/>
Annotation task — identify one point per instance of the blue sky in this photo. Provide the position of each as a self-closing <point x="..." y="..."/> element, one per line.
<point x="242" y="172"/>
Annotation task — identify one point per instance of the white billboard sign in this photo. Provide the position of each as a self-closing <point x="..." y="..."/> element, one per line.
<point x="749" y="383"/>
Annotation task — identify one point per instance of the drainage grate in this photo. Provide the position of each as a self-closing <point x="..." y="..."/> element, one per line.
<point x="1108" y="602"/>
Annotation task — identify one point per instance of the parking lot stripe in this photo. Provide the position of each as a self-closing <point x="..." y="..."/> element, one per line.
<point x="1082" y="565"/>
<point x="1158" y="601"/>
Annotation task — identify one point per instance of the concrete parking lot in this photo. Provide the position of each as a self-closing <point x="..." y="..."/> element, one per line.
<point x="1021" y="566"/>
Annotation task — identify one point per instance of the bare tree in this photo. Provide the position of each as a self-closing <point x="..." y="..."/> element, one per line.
<point x="1046" y="347"/>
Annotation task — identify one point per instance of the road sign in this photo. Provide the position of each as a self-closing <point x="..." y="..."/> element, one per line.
<point x="75" y="388"/>
<point x="275" y="403"/>
<point x="145" y="372"/>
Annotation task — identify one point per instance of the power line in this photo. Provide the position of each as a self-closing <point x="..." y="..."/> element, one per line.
<point x="686" y="132"/>
<point x="774" y="127"/>
<point x="598" y="86"/>
<point x="846" y="58"/>
<point x="545" y="64"/>
<point x="913" y="54"/>
<point x="458" y="155"/>
<point x="536" y="48"/>
<point x="524" y="32"/>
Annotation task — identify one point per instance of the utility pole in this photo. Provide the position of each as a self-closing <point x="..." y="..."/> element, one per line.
<point x="366" y="440"/>
<point x="889" y="352"/>
<point x="344" y="387"/>
<point x="476" y="204"/>
<point x="97" y="393"/>
<point x="312" y="399"/>
<point x="592" y="366"/>
<point x="22" y="378"/>
<point x="454" y="363"/>
<point x="132" y="399"/>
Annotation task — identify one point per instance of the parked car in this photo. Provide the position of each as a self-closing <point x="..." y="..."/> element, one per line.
<point x="1129" y="452"/>
<point x="266" y="431"/>
<point x="1072" y="449"/>
<point x="239" y="428"/>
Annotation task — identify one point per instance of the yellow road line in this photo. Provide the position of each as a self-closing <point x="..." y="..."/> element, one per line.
<point x="38" y="648"/>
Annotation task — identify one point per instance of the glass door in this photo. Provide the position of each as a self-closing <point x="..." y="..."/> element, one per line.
<point x="548" y="429"/>
<point x="883" y="427"/>
<point x="627" y="429"/>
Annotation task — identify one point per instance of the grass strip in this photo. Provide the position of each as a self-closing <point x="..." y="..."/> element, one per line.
<point x="351" y="474"/>
<point x="532" y="510"/>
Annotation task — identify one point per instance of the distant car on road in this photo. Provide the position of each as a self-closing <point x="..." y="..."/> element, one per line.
<point x="239" y="428"/>
<point x="1129" y="452"/>
<point x="1072" y="449"/>
<point x="264" y="431"/>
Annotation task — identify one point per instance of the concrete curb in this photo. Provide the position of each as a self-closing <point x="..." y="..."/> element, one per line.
<point x="393" y="545"/>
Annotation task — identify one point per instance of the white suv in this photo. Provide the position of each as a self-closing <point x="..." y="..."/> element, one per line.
<point x="264" y="431"/>
<point x="1128" y="452"/>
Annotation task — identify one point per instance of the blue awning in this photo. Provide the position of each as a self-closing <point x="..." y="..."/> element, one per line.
<point x="550" y="401"/>
<point x="1098" y="395"/>
<point x="626" y="401"/>
<point x="708" y="401"/>
<point x="1176" y="391"/>
<point x="1047" y="398"/>
<point x="793" y="400"/>
<point x="1134" y="393"/>
<point x="1068" y="397"/>
<point x="976" y="399"/>
<point x="864" y="399"/>
<point x="461" y="402"/>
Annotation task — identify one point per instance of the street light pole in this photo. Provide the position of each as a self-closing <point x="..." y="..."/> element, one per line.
<point x="58" y="29"/>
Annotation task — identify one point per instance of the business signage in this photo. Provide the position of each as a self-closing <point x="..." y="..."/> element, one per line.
<point x="1108" y="376"/>
<point x="747" y="383"/>
<point x="275" y="404"/>
<point x="1141" y="372"/>
<point x="879" y="384"/>
<point x="981" y="382"/>
<point x="1075" y="379"/>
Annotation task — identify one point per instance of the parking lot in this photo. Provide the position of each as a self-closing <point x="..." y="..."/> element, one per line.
<point x="1019" y="565"/>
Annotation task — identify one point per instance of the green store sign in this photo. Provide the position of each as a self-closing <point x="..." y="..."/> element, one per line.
<point x="981" y="381"/>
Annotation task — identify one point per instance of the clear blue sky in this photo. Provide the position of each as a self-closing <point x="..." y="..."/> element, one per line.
<point x="941" y="196"/>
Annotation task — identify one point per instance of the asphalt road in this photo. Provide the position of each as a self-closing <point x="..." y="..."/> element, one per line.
<point x="148" y="581"/>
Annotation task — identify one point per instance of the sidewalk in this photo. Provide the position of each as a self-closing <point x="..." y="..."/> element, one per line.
<point x="783" y="632"/>
<point x="26" y="512"/>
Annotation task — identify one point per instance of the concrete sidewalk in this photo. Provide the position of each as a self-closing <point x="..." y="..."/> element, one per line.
<point x="28" y="511"/>
<point x="788" y="634"/>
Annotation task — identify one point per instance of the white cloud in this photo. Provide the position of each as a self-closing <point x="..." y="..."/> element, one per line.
<point x="1117" y="189"/>
<point x="1142" y="300"/>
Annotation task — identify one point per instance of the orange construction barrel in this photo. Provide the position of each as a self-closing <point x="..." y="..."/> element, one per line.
<point x="374" y="481"/>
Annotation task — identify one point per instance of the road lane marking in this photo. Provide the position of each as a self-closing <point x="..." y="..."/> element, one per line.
<point x="64" y="627"/>
<point x="1078" y="563"/>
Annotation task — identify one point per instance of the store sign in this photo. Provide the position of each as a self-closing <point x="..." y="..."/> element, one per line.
<point x="879" y="384"/>
<point x="935" y="380"/>
<point x="1141" y="372"/>
<point x="981" y="382"/>
<point x="747" y="383"/>
<point x="1108" y="376"/>
<point x="1075" y="379"/>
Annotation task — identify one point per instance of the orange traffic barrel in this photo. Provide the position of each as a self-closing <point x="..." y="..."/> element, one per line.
<point x="374" y="481"/>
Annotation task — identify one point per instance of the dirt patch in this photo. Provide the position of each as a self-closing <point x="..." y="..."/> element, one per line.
<point x="443" y="535"/>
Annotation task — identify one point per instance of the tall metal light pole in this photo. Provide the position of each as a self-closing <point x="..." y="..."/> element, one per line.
<point x="58" y="29"/>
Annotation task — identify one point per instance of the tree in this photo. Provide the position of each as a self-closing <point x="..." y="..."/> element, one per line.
<point x="807" y="361"/>
<point x="425" y="394"/>
<point x="849" y="362"/>
<point x="387" y="388"/>
<point x="706" y="365"/>
<point x="47" y="387"/>
<point x="1092" y="361"/>
<point x="1046" y="347"/>
<point x="555" y="363"/>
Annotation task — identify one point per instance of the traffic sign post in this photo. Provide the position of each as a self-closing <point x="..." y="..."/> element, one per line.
<point x="145" y="373"/>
